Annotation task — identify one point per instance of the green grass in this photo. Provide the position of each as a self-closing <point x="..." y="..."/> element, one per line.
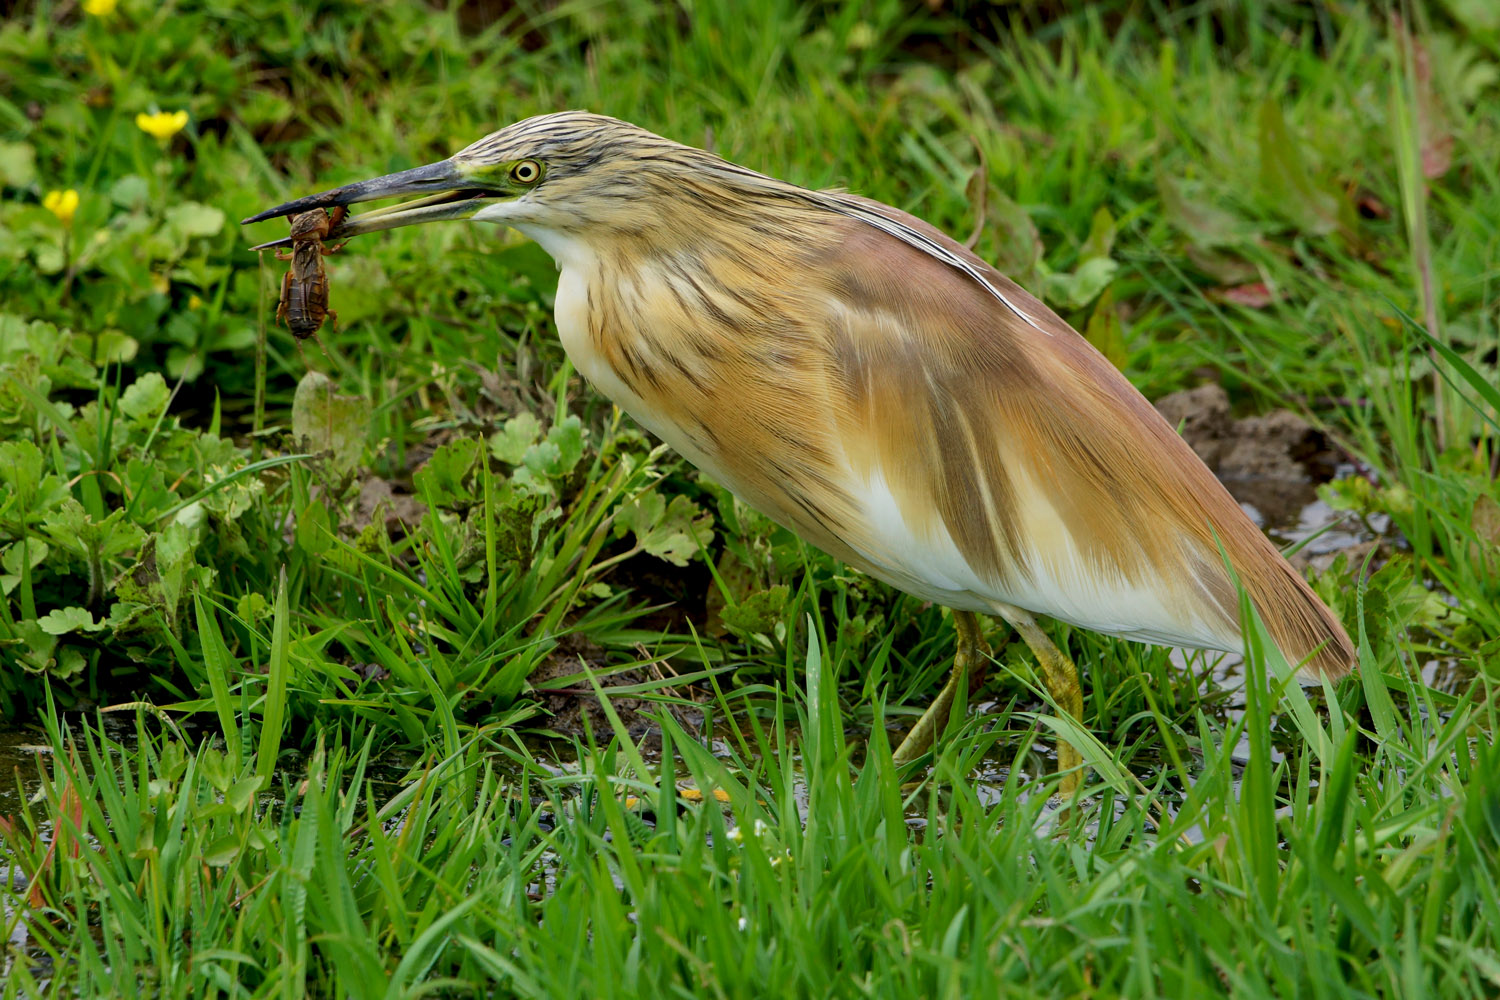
<point x="167" y="539"/>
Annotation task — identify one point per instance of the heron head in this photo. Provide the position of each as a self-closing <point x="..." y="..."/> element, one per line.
<point x="564" y="171"/>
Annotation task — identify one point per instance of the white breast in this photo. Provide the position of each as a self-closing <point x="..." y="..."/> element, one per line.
<point x="572" y="314"/>
<point x="577" y="263"/>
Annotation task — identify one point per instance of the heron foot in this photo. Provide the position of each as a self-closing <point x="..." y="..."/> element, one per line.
<point x="1061" y="678"/>
<point x="969" y="658"/>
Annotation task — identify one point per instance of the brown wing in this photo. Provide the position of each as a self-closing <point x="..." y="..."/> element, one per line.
<point x="1005" y="426"/>
<point x="901" y="405"/>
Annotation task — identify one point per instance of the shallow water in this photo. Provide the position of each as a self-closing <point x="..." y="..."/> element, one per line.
<point x="19" y="747"/>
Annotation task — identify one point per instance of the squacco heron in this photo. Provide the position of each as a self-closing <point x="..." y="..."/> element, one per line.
<point x="870" y="384"/>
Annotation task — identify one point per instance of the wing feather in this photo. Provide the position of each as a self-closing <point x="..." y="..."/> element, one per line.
<point x="1059" y="485"/>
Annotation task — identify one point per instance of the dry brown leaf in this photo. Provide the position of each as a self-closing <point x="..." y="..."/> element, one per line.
<point x="1256" y="295"/>
<point x="1486" y="520"/>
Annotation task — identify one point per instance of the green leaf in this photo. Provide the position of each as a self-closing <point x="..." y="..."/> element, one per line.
<point x="520" y="432"/>
<point x="21" y="473"/>
<point x="130" y="192"/>
<point x="217" y="768"/>
<point x="21" y="466"/>
<point x="567" y="435"/>
<point x="49" y="258"/>
<point x="1204" y="224"/>
<point x="1101" y="238"/>
<point x="33" y="550"/>
<point x="329" y="424"/>
<point x="114" y="347"/>
<point x="184" y="364"/>
<point x="555" y="456"/>
<point x="70" y="528"/>
<point x="1105" y="332"/>
<point x="252" y="607"/>
<point x="1479" y="16"/>
<point x="193" y="219"/>
<point x="223" y="851"/>
<point x="519" y="516"/>
<point x="17" y="164"/>
<point x="64" y="620"/>
<point x="1287" y="181"/>
<point x="166" y="570"/>
<point x="146" y="398"/>
<point x="68" y="525"/>
<point x="759" y="613"/>
<point x="1076" y="289"/>
<point x="69" y="662"/>
<point x="231" y="496"/>
<point x="441" y="482"/>
<point x="147" y="484"/>
<point x="674" y="532"/>
<point x="313" y="534"/>
<point x="540" y="462"/>
<point x="242" y="793"/>
<point x="126" y="617"/>
<point x="34" y="651"/>
<point x="1018" y="246"/>
<point x="1092" y="278"/>
<point x="559" y="453"/>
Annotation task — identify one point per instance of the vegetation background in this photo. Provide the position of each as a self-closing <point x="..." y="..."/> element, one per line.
<point x="283" y="626"/>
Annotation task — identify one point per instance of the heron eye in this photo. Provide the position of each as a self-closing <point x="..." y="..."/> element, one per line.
<point x="526" y="172"/>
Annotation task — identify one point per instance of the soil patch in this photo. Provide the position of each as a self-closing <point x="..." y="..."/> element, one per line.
<point x="1272" y="463"/>
<point x="573" y="705"/>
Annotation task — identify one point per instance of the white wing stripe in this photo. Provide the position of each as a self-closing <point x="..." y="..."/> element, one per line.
<point x="925" y="244"/>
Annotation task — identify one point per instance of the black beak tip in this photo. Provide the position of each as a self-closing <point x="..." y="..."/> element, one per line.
<point x="290" y="208"/>
<point x="323" y="199"/>
<point x="271" y="213"/>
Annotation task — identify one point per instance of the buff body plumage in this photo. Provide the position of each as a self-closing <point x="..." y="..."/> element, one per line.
<point x="872" y="385"/>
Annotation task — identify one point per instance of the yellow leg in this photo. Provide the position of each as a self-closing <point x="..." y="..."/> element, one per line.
<point x="924" y="733"/>
<point x="1061" y="678"/>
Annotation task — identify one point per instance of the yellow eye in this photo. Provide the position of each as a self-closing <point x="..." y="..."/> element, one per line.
<point x="526" y="172"/>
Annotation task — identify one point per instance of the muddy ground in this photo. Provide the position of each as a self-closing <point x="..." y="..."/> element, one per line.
<point x="1273" y="462"/>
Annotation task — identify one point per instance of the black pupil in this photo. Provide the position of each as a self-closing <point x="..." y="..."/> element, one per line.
<point x="526" y="171"/>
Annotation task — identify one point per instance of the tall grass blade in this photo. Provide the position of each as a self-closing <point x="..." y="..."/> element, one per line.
<point x="273" y="709"/>
<point x="218" y="665"/>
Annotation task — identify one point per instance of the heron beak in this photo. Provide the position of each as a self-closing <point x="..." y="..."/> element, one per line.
<point x="457" y="196"/>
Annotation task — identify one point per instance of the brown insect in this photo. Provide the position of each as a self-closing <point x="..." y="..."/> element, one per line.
<point x="304" y="290"/>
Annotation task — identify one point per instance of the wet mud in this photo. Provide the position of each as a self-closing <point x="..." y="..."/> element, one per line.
<point x="571" y="706"/>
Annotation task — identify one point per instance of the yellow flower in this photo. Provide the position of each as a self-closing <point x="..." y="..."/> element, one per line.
<point x="100" y="8"/>
<point x="162" y="124"/>
<point x="194" y="302"/>
<point x="62" y="204"/>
